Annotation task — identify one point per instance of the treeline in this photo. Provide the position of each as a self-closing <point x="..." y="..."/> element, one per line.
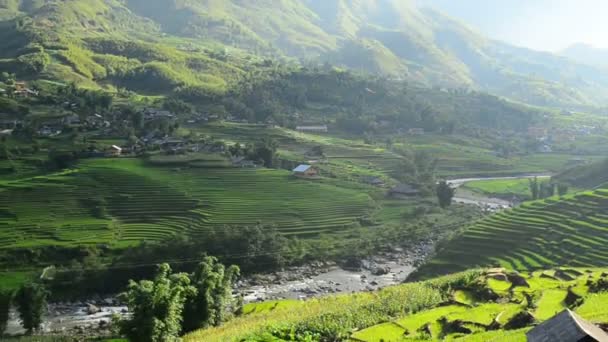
<point x="358" y="103"/>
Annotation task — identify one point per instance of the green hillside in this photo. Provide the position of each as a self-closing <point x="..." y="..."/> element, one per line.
<point x="489" y="305"/>
<point x="156" y="48"/>
<point x="568" y="231"/>
<point x="590" y="175"/>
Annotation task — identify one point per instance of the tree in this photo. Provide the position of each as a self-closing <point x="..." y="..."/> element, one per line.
<point x="562" y="189"/>
<point x="534" y="188"/>
<point x="31" y="303"/>
<point x="6" y="298"/>
<point x="156" y="307"/>
<point x="209" y="304"/>
<point x="445" y="193"/>
<point x="266" y="150"/>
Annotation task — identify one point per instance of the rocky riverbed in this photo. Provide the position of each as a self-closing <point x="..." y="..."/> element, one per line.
<point x="93" y="317"/>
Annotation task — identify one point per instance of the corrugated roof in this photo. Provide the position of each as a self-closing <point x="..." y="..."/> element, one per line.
<point x="302" y="168"/>
<point x="565" y="327"/>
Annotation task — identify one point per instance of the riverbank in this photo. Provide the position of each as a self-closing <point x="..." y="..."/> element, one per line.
<point x="94" y="317"/>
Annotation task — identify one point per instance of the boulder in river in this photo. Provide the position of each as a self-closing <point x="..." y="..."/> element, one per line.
<point x="92" y="309"/>
<point x="381" y="270"/>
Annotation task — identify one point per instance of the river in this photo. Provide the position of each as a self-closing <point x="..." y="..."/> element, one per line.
<point x="295" y="283"/>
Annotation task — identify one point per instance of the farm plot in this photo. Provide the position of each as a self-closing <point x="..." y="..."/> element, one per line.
<point x="492" y="320"/>
<point x="569" y="231"/>
<point x="122" y="202"/>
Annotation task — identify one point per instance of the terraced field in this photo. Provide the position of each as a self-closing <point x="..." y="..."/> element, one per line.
<point x="477" y="305"/>
<point x="120" y="202"/>
<point x="569" y="231"/>
<point x="489" y="320"/>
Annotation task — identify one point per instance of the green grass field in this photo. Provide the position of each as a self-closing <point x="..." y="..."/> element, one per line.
<point x="502" y="187"/>
<point x="495" y="300"/>
<point x="568" y="231"/>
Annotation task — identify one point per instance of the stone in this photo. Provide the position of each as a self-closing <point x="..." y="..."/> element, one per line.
<point x="92" y="309"/>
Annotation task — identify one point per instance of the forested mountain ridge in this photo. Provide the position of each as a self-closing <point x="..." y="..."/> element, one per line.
<point x="210" y="43"/>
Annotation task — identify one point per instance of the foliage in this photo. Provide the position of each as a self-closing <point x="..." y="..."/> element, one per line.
<point x="156" y="307"/>
<point x="213" y="296"/>
<point x="445" y="193"/>
<point x="6" y="299"/>
<point x="31" y="305"/>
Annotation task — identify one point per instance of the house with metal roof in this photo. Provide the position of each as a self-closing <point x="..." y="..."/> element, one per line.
<point x="403" y="191"/>
<point x="306" y="171"/>
<point x="566" y="326"/>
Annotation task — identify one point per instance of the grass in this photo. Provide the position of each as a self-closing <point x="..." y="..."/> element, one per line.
<point x="485" y="319"/>
<point x="567" y="231"/>
<point x="502" y="187"/>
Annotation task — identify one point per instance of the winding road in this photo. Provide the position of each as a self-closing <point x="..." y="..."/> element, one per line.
<point x="470" y="197"/>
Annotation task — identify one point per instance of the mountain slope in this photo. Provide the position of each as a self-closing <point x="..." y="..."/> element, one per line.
<point x="587" y="54"/>
<point x="392" y="38"/>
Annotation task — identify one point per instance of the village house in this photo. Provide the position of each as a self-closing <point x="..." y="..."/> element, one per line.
<point x="402" y="191"/>
<point x="371" y="180"/>
<point x="71" y="120"/>
<point x="306" y="171"/>
<point x="415" y="131"/>
<point x="538" y="133"/>
<point x="566" y="326"/>
<point x="9" y="124"/>
<point x="22" y="90"/>
<point x="151" y="114"/>
<point x="312" y="129"/>
<point x="114" y="151"/>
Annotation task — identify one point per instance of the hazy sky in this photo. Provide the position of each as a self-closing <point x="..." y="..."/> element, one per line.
<point x="539" y="24"/>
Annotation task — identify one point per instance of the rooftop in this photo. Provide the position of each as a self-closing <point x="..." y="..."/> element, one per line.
<point x="302" y="168"/>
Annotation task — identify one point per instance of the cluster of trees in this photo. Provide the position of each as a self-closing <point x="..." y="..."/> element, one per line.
<point x="418" y="168"/>
<point x="445" y="194"/>
<point x="540" y="189"/>
<point x="31" y="303"/>
<point x="175" y="303"/>
<point x="263" y="151"/>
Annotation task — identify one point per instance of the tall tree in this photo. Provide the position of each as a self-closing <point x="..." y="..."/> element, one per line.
<point x="445" y="193"/>
<point x="156" y="307"/>
<point x="31" y="304"/>
<point x="209" y="304"/>
<point x="562" y="189"/>
<point x="6" y="298"/>
<point x="534" y="187"/>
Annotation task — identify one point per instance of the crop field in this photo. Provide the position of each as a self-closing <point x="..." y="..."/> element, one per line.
<point x="502" y="187"/>
<point x="120" y="202"/>
<point x="349" y="156"/>
<point x="568" y="231"/>
<point x="482" y="305"/>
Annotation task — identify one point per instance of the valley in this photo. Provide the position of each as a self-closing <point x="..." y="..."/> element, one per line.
<point x="294" y="171"/>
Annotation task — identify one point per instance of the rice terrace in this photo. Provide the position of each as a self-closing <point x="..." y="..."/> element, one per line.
<point x="303" y="171"/>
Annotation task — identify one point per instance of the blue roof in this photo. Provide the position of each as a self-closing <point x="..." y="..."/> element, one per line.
<point x="302" y="168"/>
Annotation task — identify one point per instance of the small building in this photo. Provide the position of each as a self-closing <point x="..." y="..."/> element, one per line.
<point x="114" y="151"/>
<point x="545" y="149"/>
<point x="306" y="171"/>
<point x="371" y="180"/>
<point x="538" y="133"/>
<point x="402" y="191"/>
<point x="566" y="327"/>
<point x="9" y="124"/>
<point x="71" y="120"/>
<point x="242" y="162"/>
<point x="312" y="129"/>
<point x="415" y="131"/>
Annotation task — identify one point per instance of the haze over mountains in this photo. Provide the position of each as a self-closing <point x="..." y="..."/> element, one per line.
<point x="393" y="38"/>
